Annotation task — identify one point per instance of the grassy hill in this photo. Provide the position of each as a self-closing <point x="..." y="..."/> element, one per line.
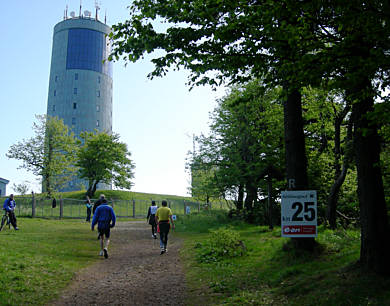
<point x="232" y="263"/>
<point x="124" y="195"/>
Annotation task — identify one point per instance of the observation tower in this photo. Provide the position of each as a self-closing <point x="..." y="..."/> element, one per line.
<point x="80" y="84"/>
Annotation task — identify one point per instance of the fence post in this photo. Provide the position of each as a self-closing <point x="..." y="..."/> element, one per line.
<point x="133" y="208"/>
<point x="33" y="205"/>
<point x="112" y="203"/>
<point x="61" y="208"/>
<point x="198" y="207"/>
<point x="169" y="204"/>
<point x="184" y="202"/>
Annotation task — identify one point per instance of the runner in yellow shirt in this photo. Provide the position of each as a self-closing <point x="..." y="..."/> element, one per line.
<point x="163" y="215"/>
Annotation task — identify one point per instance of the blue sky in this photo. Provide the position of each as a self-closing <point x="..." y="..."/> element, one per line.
<point x="156" y="119"/>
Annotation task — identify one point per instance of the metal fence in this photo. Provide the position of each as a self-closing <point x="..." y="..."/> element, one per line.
<point x="73" y="208"/>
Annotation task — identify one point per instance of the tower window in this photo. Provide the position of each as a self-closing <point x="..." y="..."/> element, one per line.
<point x="56" y="78"/>
<point x="73" y="120"/>
<point x="98" y="79"/>
<point x="97" y="123"/>
<point x="55" y="93"/>
<point x="75" y="91"/>
<point x="54" y="108"/>
<point x="98" y="108"/>
<point x="76" y="76"/>
<point x="74" y="105"/>
<point x="98" y="93"/>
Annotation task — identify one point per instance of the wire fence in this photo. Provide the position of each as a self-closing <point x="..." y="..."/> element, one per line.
<point x="36" y="207"/>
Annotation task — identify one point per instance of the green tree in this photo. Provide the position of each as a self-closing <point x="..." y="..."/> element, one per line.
<point x="21" y="188"/>
<point x="49" y="154"/>
<point x="102" y="158"/>
<point x="245" y="139"/>
<point x="234" y="41"/>
<point x="295" y="43"/>
<point x="328" y="145"/>
<point x="203" y="186"/>
<point x="357" y="59"/>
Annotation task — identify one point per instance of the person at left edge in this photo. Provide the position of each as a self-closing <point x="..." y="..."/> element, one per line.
<point x="88" y="204"/>
<point x="9" y="206"/>
<point x="105" y="218"/>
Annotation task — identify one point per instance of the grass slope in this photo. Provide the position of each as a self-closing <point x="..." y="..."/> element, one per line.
<point x="124" y="195"/>
<point x="39" y="260"/>
<point x="271" y="273"/>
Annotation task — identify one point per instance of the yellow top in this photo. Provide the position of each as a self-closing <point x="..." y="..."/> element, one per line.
<point x="163" y="213"/>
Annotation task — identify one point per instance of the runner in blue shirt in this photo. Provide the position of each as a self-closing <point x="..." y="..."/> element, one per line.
<point x="105" y="218"/>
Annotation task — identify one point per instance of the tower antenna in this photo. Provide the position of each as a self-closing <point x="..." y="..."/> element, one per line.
<point x="97" y="9"/>
<point x="66" y="12"/>
<point x="105" y="16"/>
<point x="80" y="9"/>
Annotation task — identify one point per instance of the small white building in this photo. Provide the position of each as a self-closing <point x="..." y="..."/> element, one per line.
<point x="3" y="186"/>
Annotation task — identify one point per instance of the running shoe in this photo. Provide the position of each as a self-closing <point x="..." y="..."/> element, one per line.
<point x="101" y="253"/>
<point x="105" y="253"/>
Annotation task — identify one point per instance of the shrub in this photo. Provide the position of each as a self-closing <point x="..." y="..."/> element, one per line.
<point x="222" y="243"/>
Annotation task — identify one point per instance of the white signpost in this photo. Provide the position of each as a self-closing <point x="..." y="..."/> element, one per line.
<point x="299" y="213"/>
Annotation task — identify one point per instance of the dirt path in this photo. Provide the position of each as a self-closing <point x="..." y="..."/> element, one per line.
<point x="126" y="277"/>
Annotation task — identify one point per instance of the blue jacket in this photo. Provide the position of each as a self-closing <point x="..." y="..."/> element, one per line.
<point x="103" y="216"/>
<point x="9" y="204"/>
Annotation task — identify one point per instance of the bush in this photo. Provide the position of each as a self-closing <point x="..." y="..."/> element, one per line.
<point x="222" y="243"/>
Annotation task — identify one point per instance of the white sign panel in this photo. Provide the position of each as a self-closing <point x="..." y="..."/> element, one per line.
<point x="299" y="213"/>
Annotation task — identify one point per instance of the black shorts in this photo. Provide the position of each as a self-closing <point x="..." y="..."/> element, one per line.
<point x="164" y="227"/>
<point x="104" y="231"/>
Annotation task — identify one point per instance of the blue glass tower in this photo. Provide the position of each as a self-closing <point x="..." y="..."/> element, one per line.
<point x="80" y="85"/>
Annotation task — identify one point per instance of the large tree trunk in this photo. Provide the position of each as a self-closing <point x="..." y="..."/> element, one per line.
<point x="296" y="162"/>
<point x="240" y="198"/>
<point x="374" y="253"/>
<point x="91" y="188"/>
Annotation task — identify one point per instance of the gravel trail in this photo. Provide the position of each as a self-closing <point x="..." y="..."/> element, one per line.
<point x="134" y="274"/>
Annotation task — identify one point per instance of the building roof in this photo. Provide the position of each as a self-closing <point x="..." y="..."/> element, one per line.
<point x="4" y="181"/>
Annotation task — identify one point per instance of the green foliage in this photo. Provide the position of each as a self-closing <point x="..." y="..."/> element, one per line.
<point x="50" y="154"/>
<point x="102" y="158"/>
<point x="292" y="44"/>
<point x="245" y="139"/>
<point x="203" y="185"/>
<point x="267" y="275"/>
<point x="222" y="244"/>
<point x="21" y="188"/>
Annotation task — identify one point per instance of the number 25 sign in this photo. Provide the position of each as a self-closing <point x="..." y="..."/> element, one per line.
<point x="299" y="213"/>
